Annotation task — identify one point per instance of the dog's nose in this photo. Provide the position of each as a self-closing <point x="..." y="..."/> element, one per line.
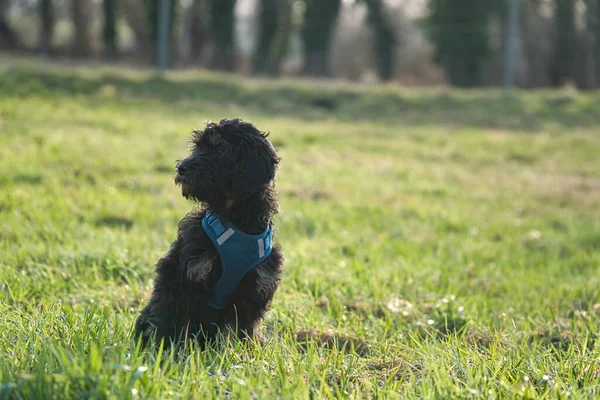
<point x="180" y="168"/>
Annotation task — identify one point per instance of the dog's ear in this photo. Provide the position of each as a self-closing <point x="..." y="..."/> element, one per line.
<point x="256" y="168"/>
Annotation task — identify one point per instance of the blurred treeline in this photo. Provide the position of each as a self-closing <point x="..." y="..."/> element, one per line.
<point x="418" y="42"/>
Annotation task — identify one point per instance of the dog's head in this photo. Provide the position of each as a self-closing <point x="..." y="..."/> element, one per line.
<point x="229" y="160"/>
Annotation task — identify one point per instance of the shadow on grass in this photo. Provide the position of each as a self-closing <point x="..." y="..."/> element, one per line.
<point x="28" y="179"/>
<point x="114" y="221"/>
<point x="478" y="108"/>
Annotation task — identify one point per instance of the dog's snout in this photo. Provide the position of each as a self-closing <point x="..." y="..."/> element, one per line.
<point x="180" y="168"/>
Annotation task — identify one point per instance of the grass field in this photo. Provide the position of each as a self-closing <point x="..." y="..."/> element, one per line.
<point x="439" y="244"/>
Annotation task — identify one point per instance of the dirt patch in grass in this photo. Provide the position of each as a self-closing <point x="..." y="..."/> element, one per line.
<point x="555" y="337"/>
<point x="332" y="340"/>
<point x="396" y="369"/>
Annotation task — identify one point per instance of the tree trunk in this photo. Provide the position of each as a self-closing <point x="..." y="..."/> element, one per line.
<point x="152" y="15"/>
<point x="109" y="32"/>
<point x="384" y="38"/>
<point x="46" y="14"/>
<point x="275" y="24"/>
<point x="597" y="39"/>
<point x="134" y="13"/>
<point x="317" y="32"/>
<point x="561" y="69"/>
<point x="222" y="26"/>
<point x="280" y="45"/>
<point x="8" y="37"/>
<point x="199" y="31"/>
<point x="81" y="21"/>
<point x="267" y="26"/>
<point x="588" y="78"/>
<point x="530" y="26"/>
<point x="459" y="30"/>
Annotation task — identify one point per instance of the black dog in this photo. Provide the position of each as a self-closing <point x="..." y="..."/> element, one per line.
<point x="221" y="273"/>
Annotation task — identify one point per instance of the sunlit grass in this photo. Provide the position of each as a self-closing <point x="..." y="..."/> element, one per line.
<point x="424" y="258"/>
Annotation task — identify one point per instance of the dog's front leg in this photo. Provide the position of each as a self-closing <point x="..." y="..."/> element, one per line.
<point x="246" y="324"/>
<point x="198" y="268"/>
<point x="158" y="317"/>
<point x="145" y="327"/>
<point x="254" y="295"/>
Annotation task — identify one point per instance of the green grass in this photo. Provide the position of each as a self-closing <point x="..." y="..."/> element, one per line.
<point x="439" y="244"/>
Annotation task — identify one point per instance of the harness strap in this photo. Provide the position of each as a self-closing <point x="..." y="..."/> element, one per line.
<point x="236" y="260"/>
<point x="215" y="223"/>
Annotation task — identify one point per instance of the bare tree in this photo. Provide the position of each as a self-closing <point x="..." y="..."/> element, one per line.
<point x="533" y="25"/>
<point x="280" y="44"/>
<point x="317" y="32"/>
<point x="267" y="28"/>
<point x="8" y="37"/>
<point x="199" y="29"/>
<point x="460" y="31"/>
<point x="595" y="10"/>
<point x="46" y="14"/>
<point x="565" y="38"/>
<point x="80" y="15"/>
<point x="153" y="10"/>
<point x="384" y="38"/>
<point x="222" y="21"/>
<point x="275" y="26"/>
<point x="109" y="32"/>
<point x="592" y="40"/>
<point x="134" y="13"/>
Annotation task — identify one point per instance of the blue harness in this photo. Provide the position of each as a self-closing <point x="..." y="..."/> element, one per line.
<point x="239" y="253"/>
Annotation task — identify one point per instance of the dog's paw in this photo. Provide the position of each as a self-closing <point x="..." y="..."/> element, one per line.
<point x="199" y="268"/>
<point x="144" y="328"/>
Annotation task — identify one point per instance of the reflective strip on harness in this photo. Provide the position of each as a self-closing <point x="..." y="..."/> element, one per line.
<point x="225" y="236"/>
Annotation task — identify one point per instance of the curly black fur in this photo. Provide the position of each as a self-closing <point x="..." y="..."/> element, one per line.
<point x="230" y="170"/>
